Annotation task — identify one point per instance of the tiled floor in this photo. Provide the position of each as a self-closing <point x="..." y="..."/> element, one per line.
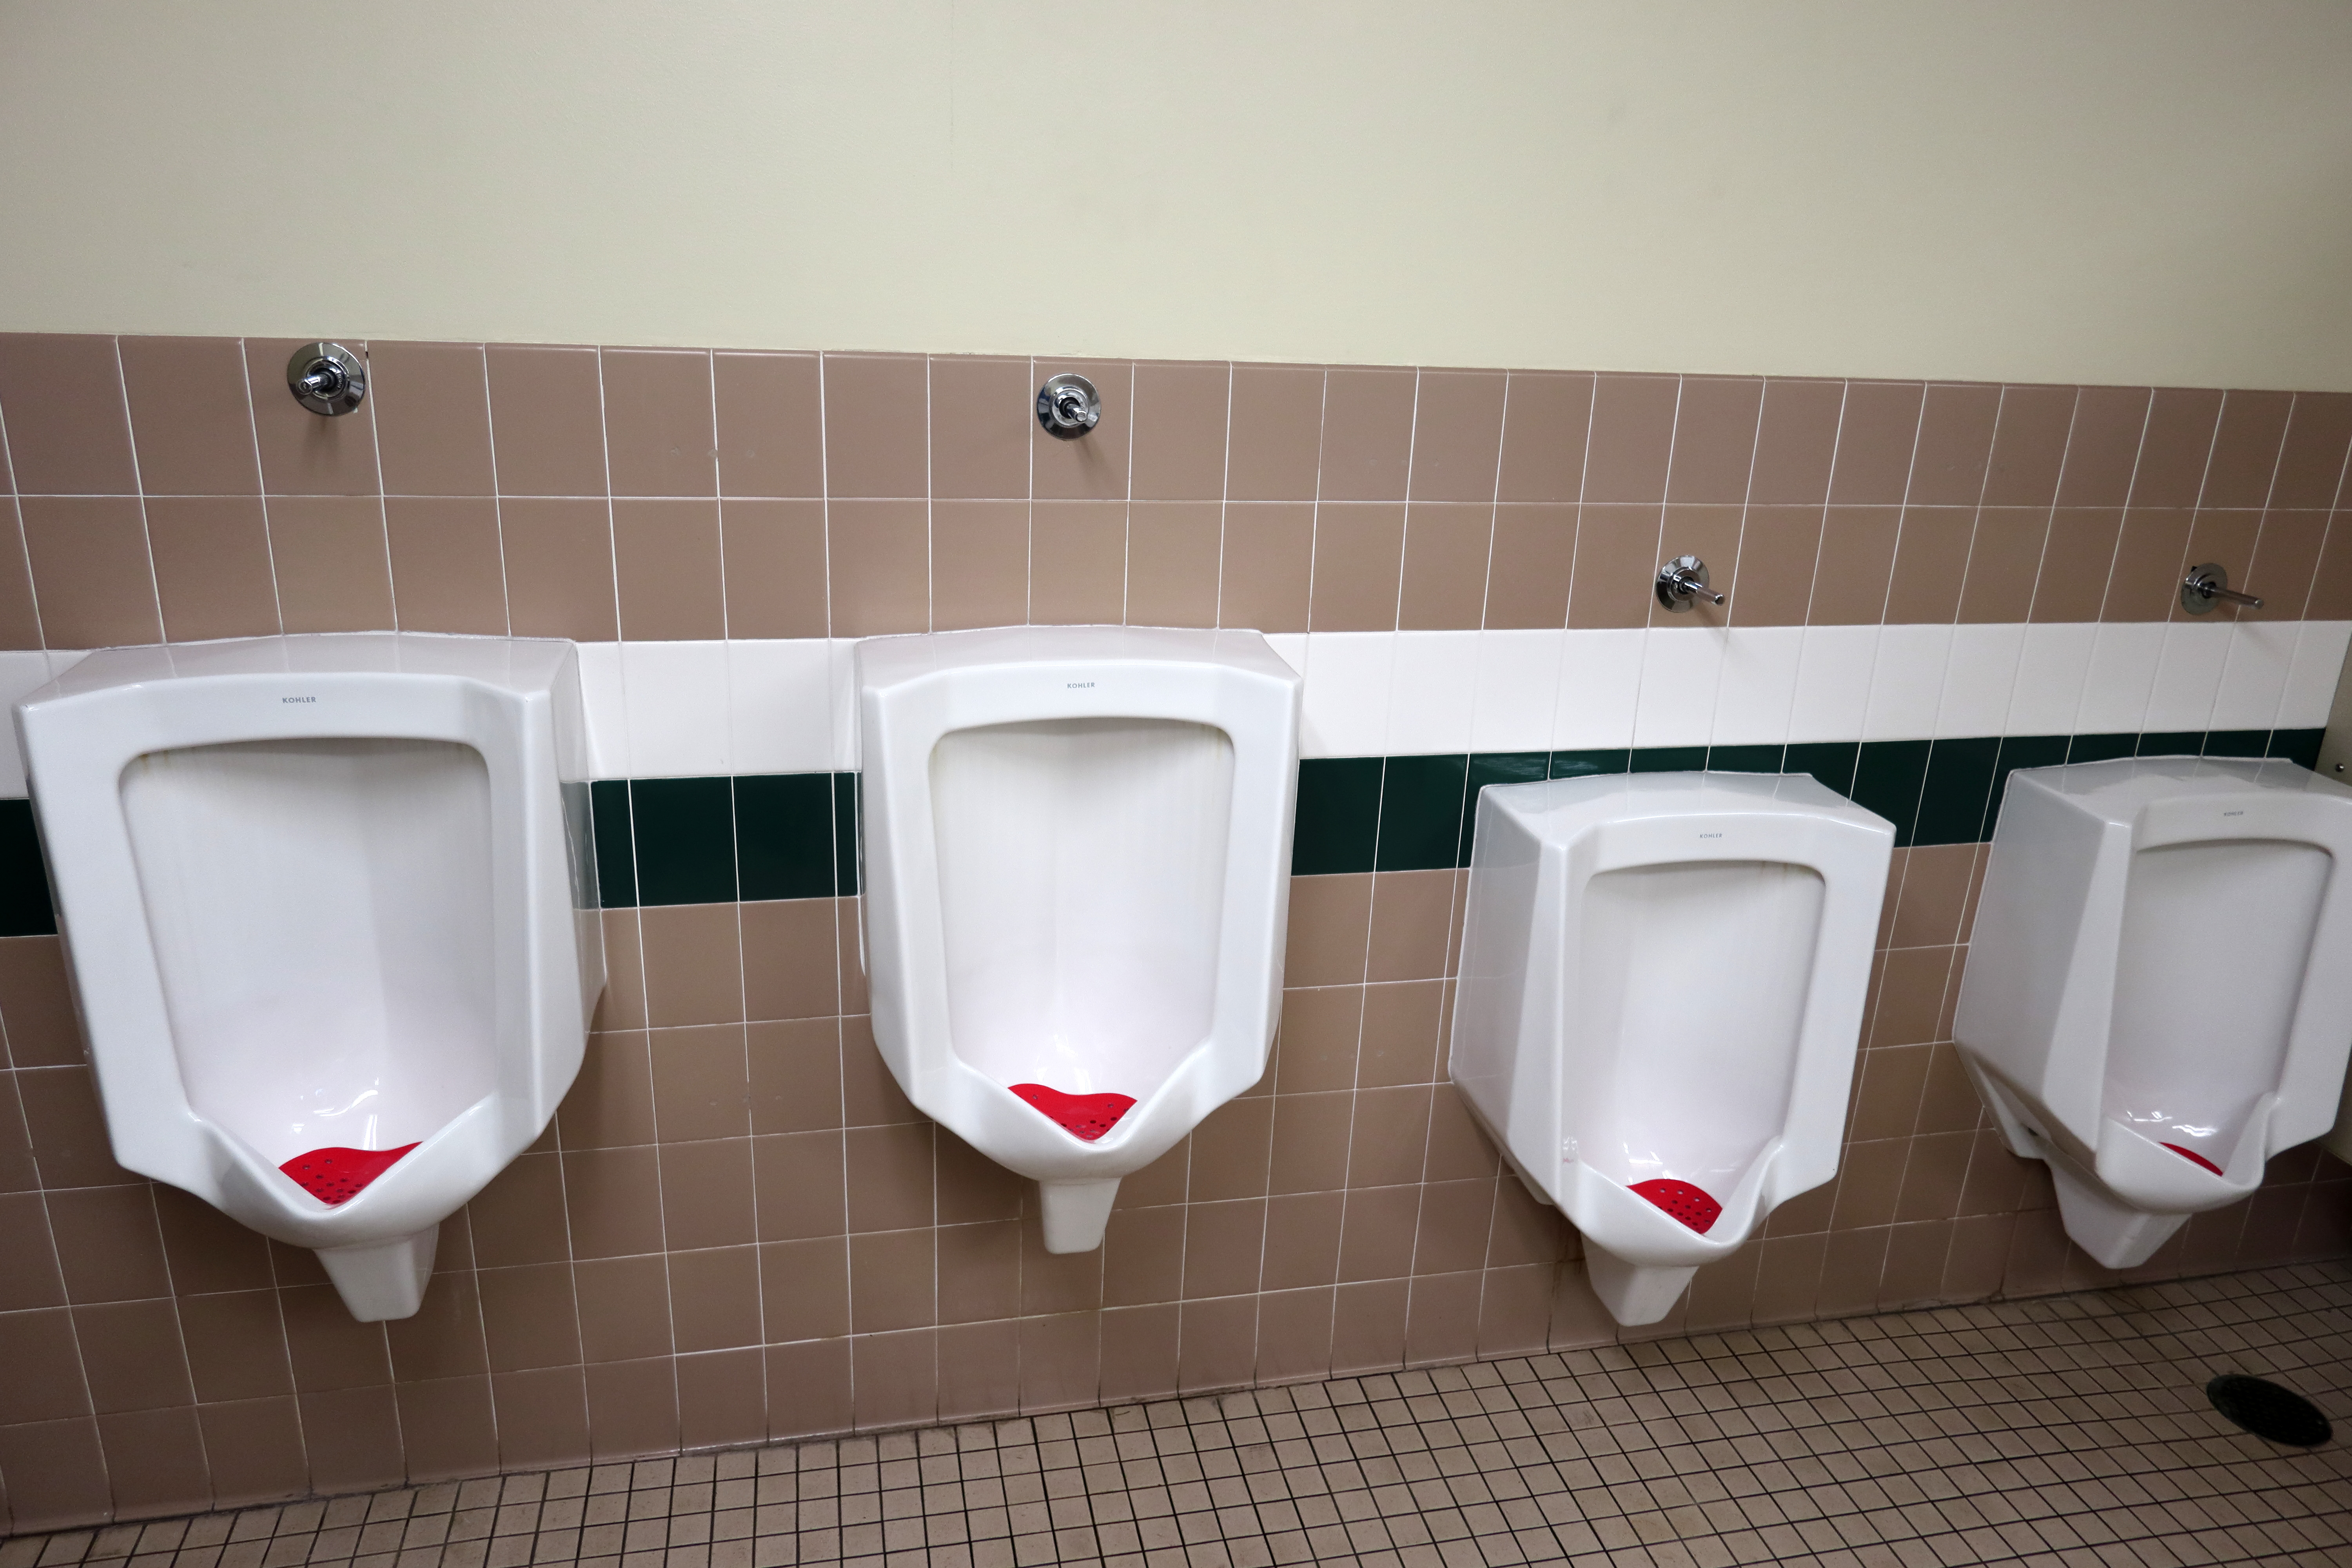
<point x="2068" y="1430"/>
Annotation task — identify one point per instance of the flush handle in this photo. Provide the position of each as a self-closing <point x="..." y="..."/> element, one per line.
<point x="327" y="378"/>
<point x="1682" y="582"/>
<point x="1068" y="406"/>
<point x="2209" y="583"/>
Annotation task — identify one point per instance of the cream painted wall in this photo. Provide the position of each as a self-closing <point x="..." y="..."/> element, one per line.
<point x="2109" y="190"/>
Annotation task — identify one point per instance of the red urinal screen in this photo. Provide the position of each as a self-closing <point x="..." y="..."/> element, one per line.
<point x="2193" y="1155"/>
<point x="1686" y="1203"/>
<point x="336" y="1175"/>
<point x="1086" y="1116"/>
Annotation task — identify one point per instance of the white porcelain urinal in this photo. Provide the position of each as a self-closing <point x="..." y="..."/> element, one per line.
<point x="1663" y="978"/>
<point x="1077" y="871"/>
<point x="330" y="907"/>
<point x="2158" y="995"/>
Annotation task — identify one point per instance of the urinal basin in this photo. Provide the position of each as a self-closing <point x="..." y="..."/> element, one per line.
<point x="329" y="908"/>
<point x="1662" y="986"/>
<point x="2156" y="1001"/>
<point x="1077" y="845"/>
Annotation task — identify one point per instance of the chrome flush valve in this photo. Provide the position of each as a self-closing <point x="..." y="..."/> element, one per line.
<point x="1068" y="406"/>
<point x="327" y="378"/>
<point x="1682" y="582"/>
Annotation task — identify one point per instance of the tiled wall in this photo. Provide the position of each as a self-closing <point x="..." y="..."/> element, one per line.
<point x="737" y="1229"/>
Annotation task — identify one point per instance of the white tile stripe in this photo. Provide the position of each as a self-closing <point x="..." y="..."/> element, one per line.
<point x="684" y="709"/>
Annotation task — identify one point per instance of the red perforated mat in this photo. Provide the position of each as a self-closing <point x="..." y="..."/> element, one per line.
<point x="2193" y="1155"/>
<point x="1686" y="1203"/>
<point x="1086" y="1116"/>
<point x="337" y="1175"/>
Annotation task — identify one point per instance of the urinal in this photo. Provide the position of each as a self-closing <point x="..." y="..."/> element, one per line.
<point x="2158" y="995"/>
<point x="329" y="904"/>
<point x="1076" y="846"/>
<point x="1661" y="995"/>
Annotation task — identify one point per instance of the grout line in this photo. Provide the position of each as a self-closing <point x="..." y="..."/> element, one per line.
<point x="146" y="534"/>
<point x="383" y="512"/>
<point x="1224" y="502"/>
<point x="269" y="536"/>
<point x="24" y="544"/>
<point x="497" y="501"/>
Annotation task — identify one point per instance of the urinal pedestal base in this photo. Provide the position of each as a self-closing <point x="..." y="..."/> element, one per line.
<point x="2117" y="1236"/>
<point x="1634" y="1295"/>
<point x="1076" y="1213"/>
<point x="383" y="1279"/>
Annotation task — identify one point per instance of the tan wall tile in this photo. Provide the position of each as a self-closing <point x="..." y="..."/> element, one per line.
<point x="1173" y="558"/>
<point x="1231" y="1148"/>
<point x="623" y="1308"/>
<point x="1368" y="1326"/>
<point x="155" y="1462"/>
<point x="1547" y="420"/>
<point x="1715" y="438"/>
<point x="1458" y="433"/>
<point x="808" y="1388"/>
<point x="1631" y="439"/>
<point x="547" y="413"/>
<point x="542" y="1416"/>
<point x="1534" y="553"/>
<point x="1275" y="433"/>
<point x="632" y="1408"/>
<point x="666" y="557"/>
<point x="1061" y="1360"/>
<point x="2176" y="449"/>
<point x="1955" y="435"/>
<point x="191" y="426"/>
<point x="2029" y="446"/>
<point x="90" y="570"/>
<point x="332" y="558"/>
<point x="1616" y="561"/>
<point x="659" y="436"/>
<point x="1778" y="547"/>
<point x="1877" y="436"/>
<point x="1077" y="563"/>
<point x="432" y="411"/>
<point x="1931" y="560"/>
<point x="774" y="555"/>
<point x="878" y="553"/>
<point x="1856" y="565"/>
<point x="979" y="1371"/>
<point x="448" y="1428"/>
<point x="2150" y="555"/>
<point x="1138" y="1353"/>
<point x="558" y="568"/>
<point x="980" y="563"/>
<point x="1181" y="416"/>
<point x="1267" y="567"/>
<point x="1224" y="1245"/>
<point x="62" y="398"/>
<point x="1796" y="439"/>
<point x="771" y="424"/>
<point x="701" y="1082"/>
<point x="302" y="453"/>
<point x="1219" y="1346"/>
<point x="1446" y="546"/>
<point x="447" y="571"/>
<point x="2103" y="446"/>
<point x="1368" y="421"/>
<point x="2076" y="563"/>
<point x="1358" y="563"/>
<point x="212" y="567"/>
<point x="2004" y="563"/>
<point x="1310" y="1141"/>
<point x="799" y="1185"/>
<point x="2312" y="458"/>
<point x="613" y="1197"/>
<point x="1293" y="1334"/>
<point x="982" y="411"/>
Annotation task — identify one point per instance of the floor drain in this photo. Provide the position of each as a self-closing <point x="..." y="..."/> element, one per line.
<point x="2269" y="1411"/>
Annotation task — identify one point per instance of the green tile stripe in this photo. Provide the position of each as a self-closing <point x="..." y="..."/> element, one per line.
<point x="758" y="836"/>
<point x="1415" y="813"/>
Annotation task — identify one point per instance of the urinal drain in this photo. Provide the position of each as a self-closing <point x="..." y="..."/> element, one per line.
<point x="2268" y="1411"/>
<point x="1686" y="1203"/>
<point x="1086" y="1116"/>
<point x="337" y="1175"/>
